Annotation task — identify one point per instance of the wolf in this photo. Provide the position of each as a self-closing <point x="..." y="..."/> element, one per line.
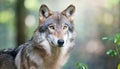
<point x="51" y="42"/>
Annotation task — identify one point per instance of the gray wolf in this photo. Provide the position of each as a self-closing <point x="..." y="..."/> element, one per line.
<point x="51" y="42"/>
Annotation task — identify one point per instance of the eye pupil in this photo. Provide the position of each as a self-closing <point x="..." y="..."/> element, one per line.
<point x="64" y="27"/>
<point x="52" y="27"/>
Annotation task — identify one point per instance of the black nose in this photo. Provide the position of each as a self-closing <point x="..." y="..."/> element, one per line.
<point x="60" y="42"/>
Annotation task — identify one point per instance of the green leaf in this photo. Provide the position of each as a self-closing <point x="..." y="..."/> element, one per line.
<point x="107" y="38"/>
<point x="117" y="39"/>
<point x="118" y="67"/>
<point x="81" y="66"/>
<point x="111" y="53"/>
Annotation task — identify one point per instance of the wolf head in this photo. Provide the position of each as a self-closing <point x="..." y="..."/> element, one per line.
<point x="55" y="27"/>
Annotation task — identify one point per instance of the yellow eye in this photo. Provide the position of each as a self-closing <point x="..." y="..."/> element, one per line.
<point x="65" y="27"/>
<point x="52" y="27"/>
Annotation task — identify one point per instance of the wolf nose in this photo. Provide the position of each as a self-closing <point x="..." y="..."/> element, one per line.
<point x="60" y="42"/>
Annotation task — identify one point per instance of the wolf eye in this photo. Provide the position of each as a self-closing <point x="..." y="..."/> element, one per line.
<point x="52" y="27"/>
<point x="64" y="27"/>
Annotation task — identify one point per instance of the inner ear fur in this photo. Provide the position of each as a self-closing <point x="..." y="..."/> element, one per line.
<point x="44" y="11"/>
<point x="69" y="11"/>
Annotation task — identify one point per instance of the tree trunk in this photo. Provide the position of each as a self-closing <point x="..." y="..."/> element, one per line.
<point x="20" y="22"/>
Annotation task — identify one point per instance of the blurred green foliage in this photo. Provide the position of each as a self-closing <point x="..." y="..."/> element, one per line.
<point x="111" y="52"/>
<point x="112" y="2"/>
<point x="6" y="16"/>
<point x="114" y="52"/>
<point x="116" y="40"/>
<point x="7" y="22"/>
<point x="81" y="66"/>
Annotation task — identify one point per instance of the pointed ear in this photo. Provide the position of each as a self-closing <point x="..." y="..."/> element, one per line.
<point x="44" y="11"/>
<point x="69" y="11"/>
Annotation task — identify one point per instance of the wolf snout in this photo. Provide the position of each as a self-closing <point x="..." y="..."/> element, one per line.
<point x="60" y="42"/>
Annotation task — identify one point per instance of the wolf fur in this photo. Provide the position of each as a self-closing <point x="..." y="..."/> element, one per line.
<point x="7" y="57"/>
<point x="51" y="42"/>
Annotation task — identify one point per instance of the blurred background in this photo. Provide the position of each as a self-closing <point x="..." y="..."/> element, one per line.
<point x="94" y="19"/>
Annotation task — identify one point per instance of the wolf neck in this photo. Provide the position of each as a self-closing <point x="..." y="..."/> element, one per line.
<point x="53" y="57"/>
<point x="51" y="51"/>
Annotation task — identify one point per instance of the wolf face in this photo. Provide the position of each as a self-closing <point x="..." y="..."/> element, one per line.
<point x="57" y="27"/>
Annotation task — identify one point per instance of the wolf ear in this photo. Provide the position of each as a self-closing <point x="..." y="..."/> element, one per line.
<point x="44" y="11"/>
<point x="69" y="11"/>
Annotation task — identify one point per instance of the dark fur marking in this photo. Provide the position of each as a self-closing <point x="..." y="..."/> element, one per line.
<point x="42" y="28"/>
<point x="71" y="28"/>
<point x="7" y="57"/>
